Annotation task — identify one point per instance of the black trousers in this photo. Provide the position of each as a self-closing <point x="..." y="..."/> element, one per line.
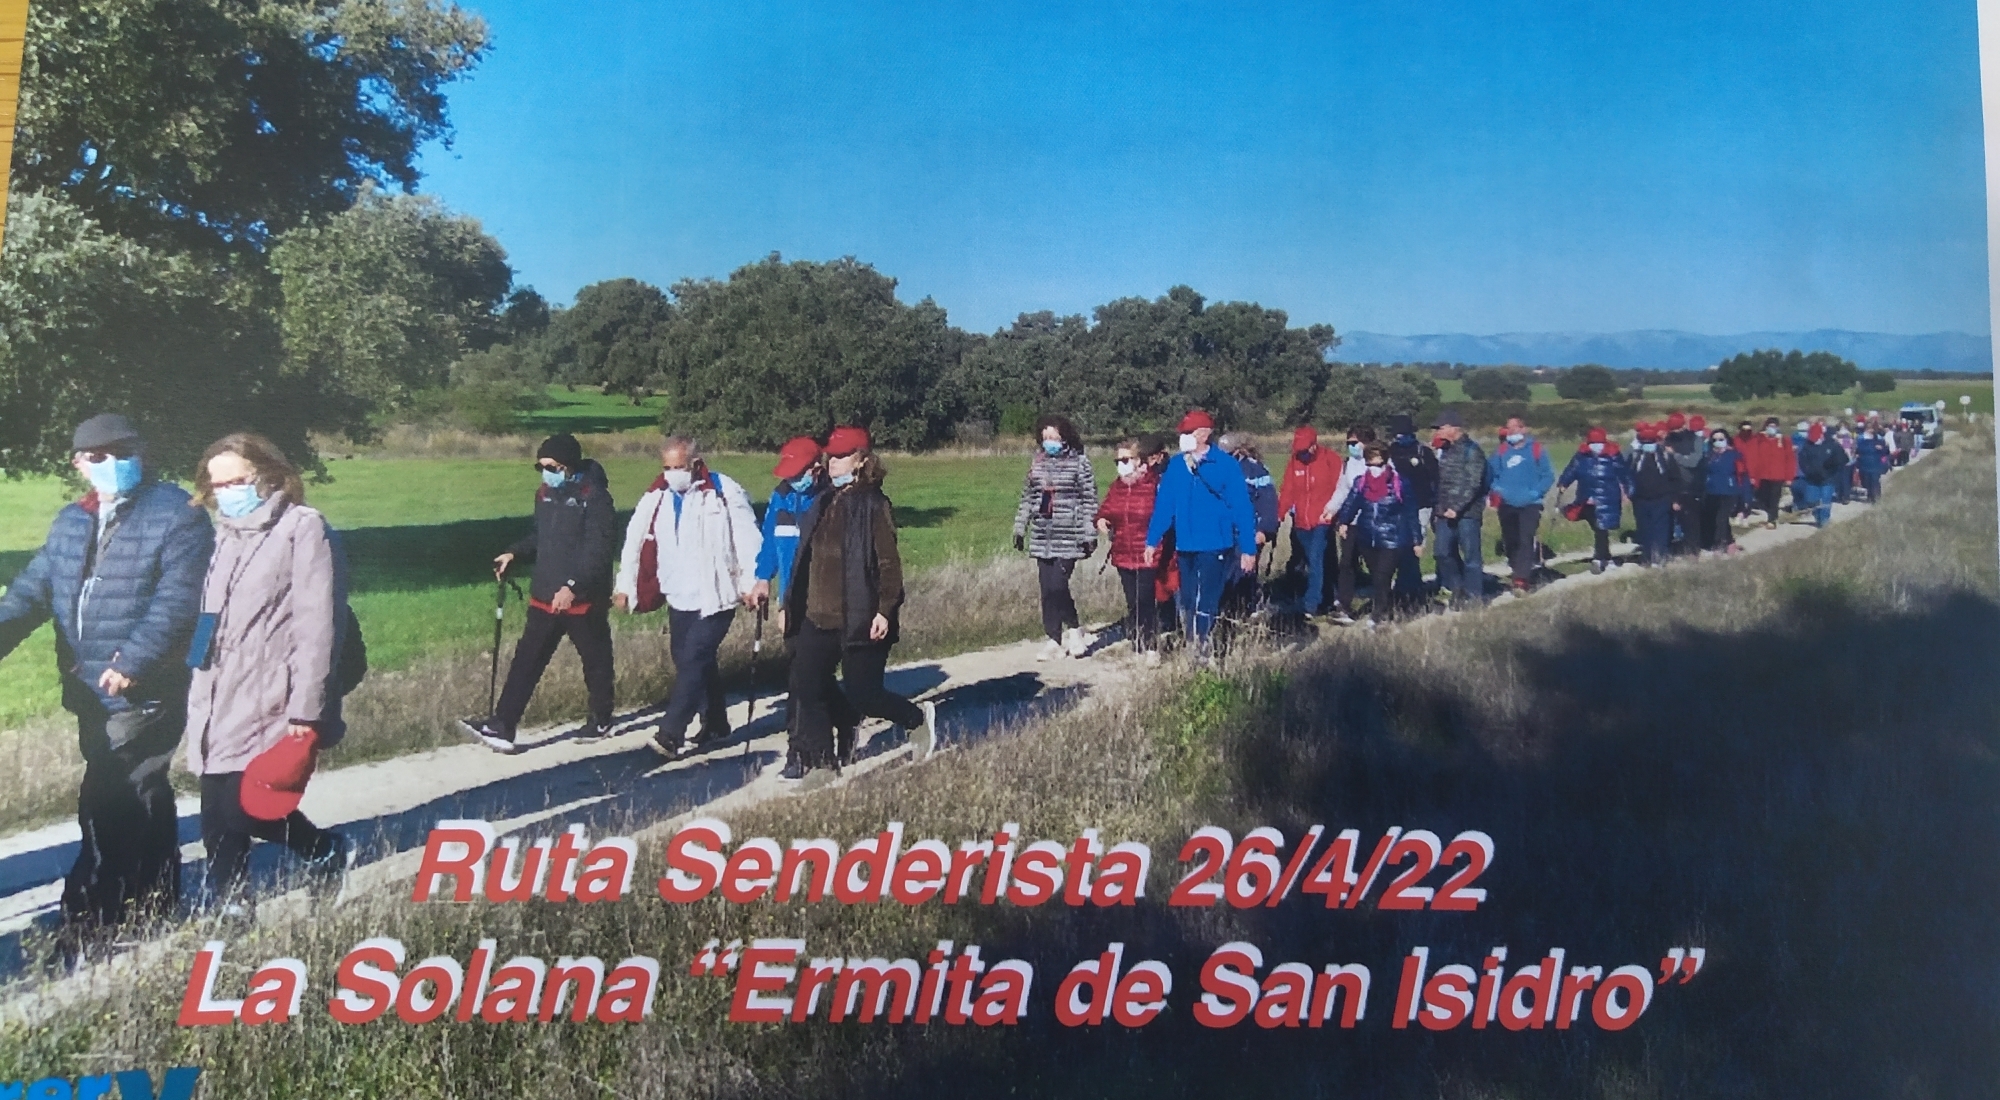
<point x="226" y="831"/>
<point x="1058" y="606"/>
<point x="694" y="639"/>
<point x="1767" y="498"/>
<point x="590" y="632"/>
<point x="816" y="654"/>
<point x="1715" y="532"/>
<point x="1142" y="615"/>
<point x="1381" y="585"/>
<point x="1600" y="544"/>
<point x="1518" y="527"/>
<point x="129" y="863"/>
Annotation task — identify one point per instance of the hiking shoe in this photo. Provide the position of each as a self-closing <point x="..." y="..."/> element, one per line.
<point x="1341" y="617"/>
<point x="661" y="747"/>
<point x="1596" y="568"/>
<point x="493" y="737"/>
<point x="593" y="731"/>
<point x="1050" y="650"/>
<point x="1077" y="641"/>
<point x="795" y="770"/>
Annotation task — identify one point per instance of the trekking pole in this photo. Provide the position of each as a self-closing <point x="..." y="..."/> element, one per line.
<point x="756" y="650"/>
<point x="499" y="611"/>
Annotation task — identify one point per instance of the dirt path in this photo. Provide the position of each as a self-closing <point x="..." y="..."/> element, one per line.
<point x="619" y="786"/>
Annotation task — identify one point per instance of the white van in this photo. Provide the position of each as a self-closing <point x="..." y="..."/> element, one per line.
<point x="1928" y="422"/>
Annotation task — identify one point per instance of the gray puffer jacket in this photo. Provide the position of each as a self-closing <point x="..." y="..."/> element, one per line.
<point x="1058" y="506"/>
<point x="275" y="588"/>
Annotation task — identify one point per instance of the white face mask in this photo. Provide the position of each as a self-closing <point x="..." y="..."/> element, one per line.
<point x="1597" y="448"/>
<point x="1188" y="443"/>
<point x="1127" y="467"/>
<point x="680" y="480"/>
<point x="1377" y="471"/>
<point x="1516" y="437"/>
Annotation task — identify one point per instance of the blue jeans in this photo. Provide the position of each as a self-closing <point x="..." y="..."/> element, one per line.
<point x="1461" y="566"/>
<point x="1309" y="543"/>
<point x="693" y="642"/>
<point x="1656" y="527"/>
<point x="1204" y="575"/>
<point x="1821" y="499"/>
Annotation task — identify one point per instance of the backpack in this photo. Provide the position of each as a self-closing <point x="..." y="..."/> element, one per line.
<point x="351" y="663"/>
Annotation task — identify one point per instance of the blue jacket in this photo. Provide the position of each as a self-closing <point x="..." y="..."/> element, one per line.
<point x="1725" y="473"/>
<point x="1207" y="509"/>
<point x="1603" y="480"/>
<point x="143" y="599"/>
<point x="1388" y="524"/>
<point x="1872" y="455"/>
<point x="782" y="515"/>
<point x="1263" y="494"/>
<point x="1522" y="475"/>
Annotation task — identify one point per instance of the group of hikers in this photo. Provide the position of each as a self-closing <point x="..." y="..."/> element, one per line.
<point x="234" y="630"/>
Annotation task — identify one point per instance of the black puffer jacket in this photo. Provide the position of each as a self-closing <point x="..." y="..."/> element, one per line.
<point x="574" y="541"/>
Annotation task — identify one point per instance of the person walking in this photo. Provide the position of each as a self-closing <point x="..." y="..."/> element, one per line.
<point x="1820" y="462"/>
<point x="1873" y="458"/>
<point x="1458" y="511"/>
<point x="1311" y="474"/>
<point x="265" y="695"/>
<point x="1772" y="464"/>
<point x="1684" y="449"/>
<point x="1417" y="465"/>
<point x="1724" y="473"/>
<point x="1204" y="502"/>
<point x="120" y="573"/>
<point x="1844" y="476"/>
<point x="1383" y="513"/>
<point x="1602" y="481"/>
<point x="1657" y="484"/>
<point x="692" y="546"/>
<point x="1521" y="475"/>
<point x="1347" y="545"/>
<point x="1245" y="594"/>
<point x="1122" y="519"/>
<point x="570" y="546"/>
<point x="801" y="474"/>
<point x="1906" y="442"/>
<point x="1053" y="524"/>
<point x="843" y="609"/>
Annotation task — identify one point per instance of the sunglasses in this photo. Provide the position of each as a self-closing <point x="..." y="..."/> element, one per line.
<point x="105" y="455"/>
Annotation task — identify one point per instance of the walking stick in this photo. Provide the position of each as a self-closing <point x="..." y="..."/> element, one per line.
<point x="756" y="650"/>
<point x="500" y="584"/>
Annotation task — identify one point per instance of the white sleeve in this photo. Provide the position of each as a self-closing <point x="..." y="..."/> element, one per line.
<point x="628" y="557"/>
<point x="749" y="538"/>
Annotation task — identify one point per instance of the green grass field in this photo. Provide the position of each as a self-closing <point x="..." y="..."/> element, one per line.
<point x="584" y="411"/>
<point x="420" y="534"/>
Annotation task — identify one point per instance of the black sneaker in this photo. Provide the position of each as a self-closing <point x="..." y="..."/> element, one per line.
<point x="593" y="731"/>
<point x="330" y="870"/>
<point x="493" y="737"/>
<point x="843" y="745"/>
<point x="795" y="770"/>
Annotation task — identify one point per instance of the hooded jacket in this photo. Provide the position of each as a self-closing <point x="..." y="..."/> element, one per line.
<point x="1386" y="524"/>
<point x="707" y="553"/>
<point x="1604" y="480"/>
<point x="1206" y="507"/>
<point x="1263" y="494"/>
<point x="1308" y="487"/>
<point x="1128" y="508"/>
<point x="783" y="513"/>
<point x="1820" y="460"/>
<point x="1872" y="455"/>
<point x="275" y="588"/>
<point x="571" y="543"/>
<point x="1656" y="476"/>
<point x="1058" y="505"/>
<point x="1521" y="475"/>
<point x="144" y="589"/>
<point x="1418" y="467"/>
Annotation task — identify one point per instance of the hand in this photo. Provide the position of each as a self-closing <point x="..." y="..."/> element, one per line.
<point x="113" y="682"/>
<point x="619" y="601"/>
<point x="780" y="616"/>
<point x="299" y="731"/>
<point x="500" y="565"/>
<point x="562" y="600"/>
<point x="1104" y="528"/>
<point x="878" y="628"/>
<point x="759" y="594"/>
<point x="1677" y="507"/>
<point x="1020" y="543"/>
<point x="1449" y="513"/>
<point x="1249" y="563"/>
<point x="1260" y="538"/>
<point x="1327" y="516"/>
<point x="1340" y="532"/>
<point x="1152" y="556"/>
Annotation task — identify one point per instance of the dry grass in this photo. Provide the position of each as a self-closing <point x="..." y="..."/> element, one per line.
<point x="1787" y="759"/>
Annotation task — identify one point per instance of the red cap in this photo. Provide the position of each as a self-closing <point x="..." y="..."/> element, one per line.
<point x="1675" y="421"/>
<point x="1815" y="431"/>
<point x="793" y="458"/>
<point x="1196" y="418"/>
<point x="1304" y="436"/>
<point x="1698" y="423"/>
<point x="1649" y="432"/>
<point x="1597" y="436"/>
<point x="276" y="778"/>
<point x="846" y="440"/>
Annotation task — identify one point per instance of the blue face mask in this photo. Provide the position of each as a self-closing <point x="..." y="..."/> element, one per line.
<point x="1354" y="450"/>
<point x="554" y="478"/>
<point x="802" y="482"/>
<point x="1649" y="448"/>
<point x="113" y="477"/>
<point x="1052" y="446"/>
<point x="840" y="480"/>
<point x="237" y="501"/>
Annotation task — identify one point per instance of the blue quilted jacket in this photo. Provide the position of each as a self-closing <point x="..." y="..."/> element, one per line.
<point x="1387" y="524"/>
<point x="1603" y="480"/>
<point x="141" y="608"/>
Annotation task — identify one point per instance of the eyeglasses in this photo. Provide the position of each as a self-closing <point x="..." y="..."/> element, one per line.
<point x="246" y="479"/>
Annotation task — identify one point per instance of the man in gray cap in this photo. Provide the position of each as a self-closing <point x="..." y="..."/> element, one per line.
<point x="1460" y="507"/>
<point x="121" y="575"/>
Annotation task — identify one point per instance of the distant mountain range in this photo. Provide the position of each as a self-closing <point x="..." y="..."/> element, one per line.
<point x="1666" y="349"/>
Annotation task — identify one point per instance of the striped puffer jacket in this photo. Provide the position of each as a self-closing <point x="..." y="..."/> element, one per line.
<point x="1058" y="505"/>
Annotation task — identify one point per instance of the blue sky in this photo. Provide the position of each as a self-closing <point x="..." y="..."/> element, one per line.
<point x="1719" y="166"/>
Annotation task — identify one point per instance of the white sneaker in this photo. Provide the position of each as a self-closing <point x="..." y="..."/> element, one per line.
<point x="923" y="739"/>
<point x="1077" y="643"/>
<point x="1050" y="650"/>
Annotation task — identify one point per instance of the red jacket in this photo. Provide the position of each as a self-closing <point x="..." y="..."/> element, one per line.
<point x="1128" y="508"/>
<point x="1308" y="486"/>
<point x="1770" y="459"/>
